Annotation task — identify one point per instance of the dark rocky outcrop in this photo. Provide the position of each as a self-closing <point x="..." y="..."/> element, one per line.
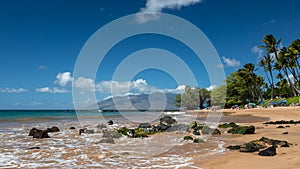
<point x="167" y="120"/>
<point x="283" y="122"/>
<point x="280" y="127"/>
<point x="53" y="129"/>
<point x="252" y="146"/>
<point x="72" y="128"/>
<point x="271" y="151"/>
<point x="236" y="147"/>
<point x="41" y="134"/>
<point x="161" y="127"/>
<point x="32" y="131"/>
<point x="242" y="130"/>
<point x="145" y="125"/>
<point x="274" y="142"/>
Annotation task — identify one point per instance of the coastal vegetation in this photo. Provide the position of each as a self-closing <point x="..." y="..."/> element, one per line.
<point x="281" y="80"/>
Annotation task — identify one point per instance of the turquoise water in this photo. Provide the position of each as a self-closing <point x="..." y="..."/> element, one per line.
<point x="22" y="114"/>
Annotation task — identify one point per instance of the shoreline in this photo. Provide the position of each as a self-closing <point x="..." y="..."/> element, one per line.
<point x="286" y="158"/>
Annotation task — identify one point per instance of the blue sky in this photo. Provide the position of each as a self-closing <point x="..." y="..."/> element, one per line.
<point x="41" y="40"/>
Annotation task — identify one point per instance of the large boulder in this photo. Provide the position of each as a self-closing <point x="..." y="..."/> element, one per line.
<point x="161" y="127"/>
<point x="167" y="120"/>
<point x="53" y="129"/>
<point x="41" y="134"/>
<point x="251" y="147"/>
<point x="227" y="125"/>
<point x="274" y="142"/>
<point x="33" y="131"/>
<point x="271" y="151"/>
<point x="242" y="130"/>
<point x="179" y="127"/>
<point x="111" y="134"/>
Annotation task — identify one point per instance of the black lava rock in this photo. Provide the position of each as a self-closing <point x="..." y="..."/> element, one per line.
<point x="271" y="151"/>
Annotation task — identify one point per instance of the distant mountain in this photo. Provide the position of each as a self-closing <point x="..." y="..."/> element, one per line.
<point x="139" y="102"/>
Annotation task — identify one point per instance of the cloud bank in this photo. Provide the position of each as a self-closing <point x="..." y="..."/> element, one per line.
<point x="51" y="90"/>
<point x="13" y="90"/>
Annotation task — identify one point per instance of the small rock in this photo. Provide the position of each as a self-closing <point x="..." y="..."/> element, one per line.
<point x="110" y="122"/>
<point x="271" y="151"/>
<point x="285" y="132"/>
<point x="81" y="131"/>
<point x="107" y="140"/>
<point x="198" y="140"/>
<point x="236" y="147"/>
<point x="72" y="128"/>
<point x="32" y="148"/>
<point x="208" y="130"/>
<point x="196" y="132"/>
<point x="187" y="138"/>
<point x="54" y="129"/>
<point x="287" y="126"/>
<point x="280" y="127"/>
<point x="131" y="133"/>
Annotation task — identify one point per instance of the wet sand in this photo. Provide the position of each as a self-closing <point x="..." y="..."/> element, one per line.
<point x="286" y="158"/>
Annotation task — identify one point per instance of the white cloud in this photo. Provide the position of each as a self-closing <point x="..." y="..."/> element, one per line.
<point x="42" y="67"/>
<point x="13" y="90"/>
<point x="84" y="83"/>
<point x="258" y="51"/>
<point x="231" y="62"/>
<point x="63" y="79"/>
<point x="211" y="87"/>
<point x="51" y="90"/>
<point x="152" y="6"/>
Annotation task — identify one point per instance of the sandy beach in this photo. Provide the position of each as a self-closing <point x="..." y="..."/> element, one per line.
<point x="286" y="158"/>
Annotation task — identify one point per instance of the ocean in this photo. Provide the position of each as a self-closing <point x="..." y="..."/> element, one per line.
<point x="68" y="149"/>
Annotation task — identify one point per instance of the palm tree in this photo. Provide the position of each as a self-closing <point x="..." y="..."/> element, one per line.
<point x="271" y="46"/>
<point x="266" y="62"/>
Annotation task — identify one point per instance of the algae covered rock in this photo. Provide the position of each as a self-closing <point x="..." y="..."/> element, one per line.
<point x="187" y="138"/>
<point x="198" y="140"/>
<point x="193" y="125"/>
<point x="227" y="125"/>
<point x="242" y="130"/>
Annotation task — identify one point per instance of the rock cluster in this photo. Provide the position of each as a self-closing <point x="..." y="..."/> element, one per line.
<point x="37" y="133"/>
<point x="268" y="145"/>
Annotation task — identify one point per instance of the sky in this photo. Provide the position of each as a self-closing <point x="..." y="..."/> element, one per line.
<point x="40" y="42"/>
